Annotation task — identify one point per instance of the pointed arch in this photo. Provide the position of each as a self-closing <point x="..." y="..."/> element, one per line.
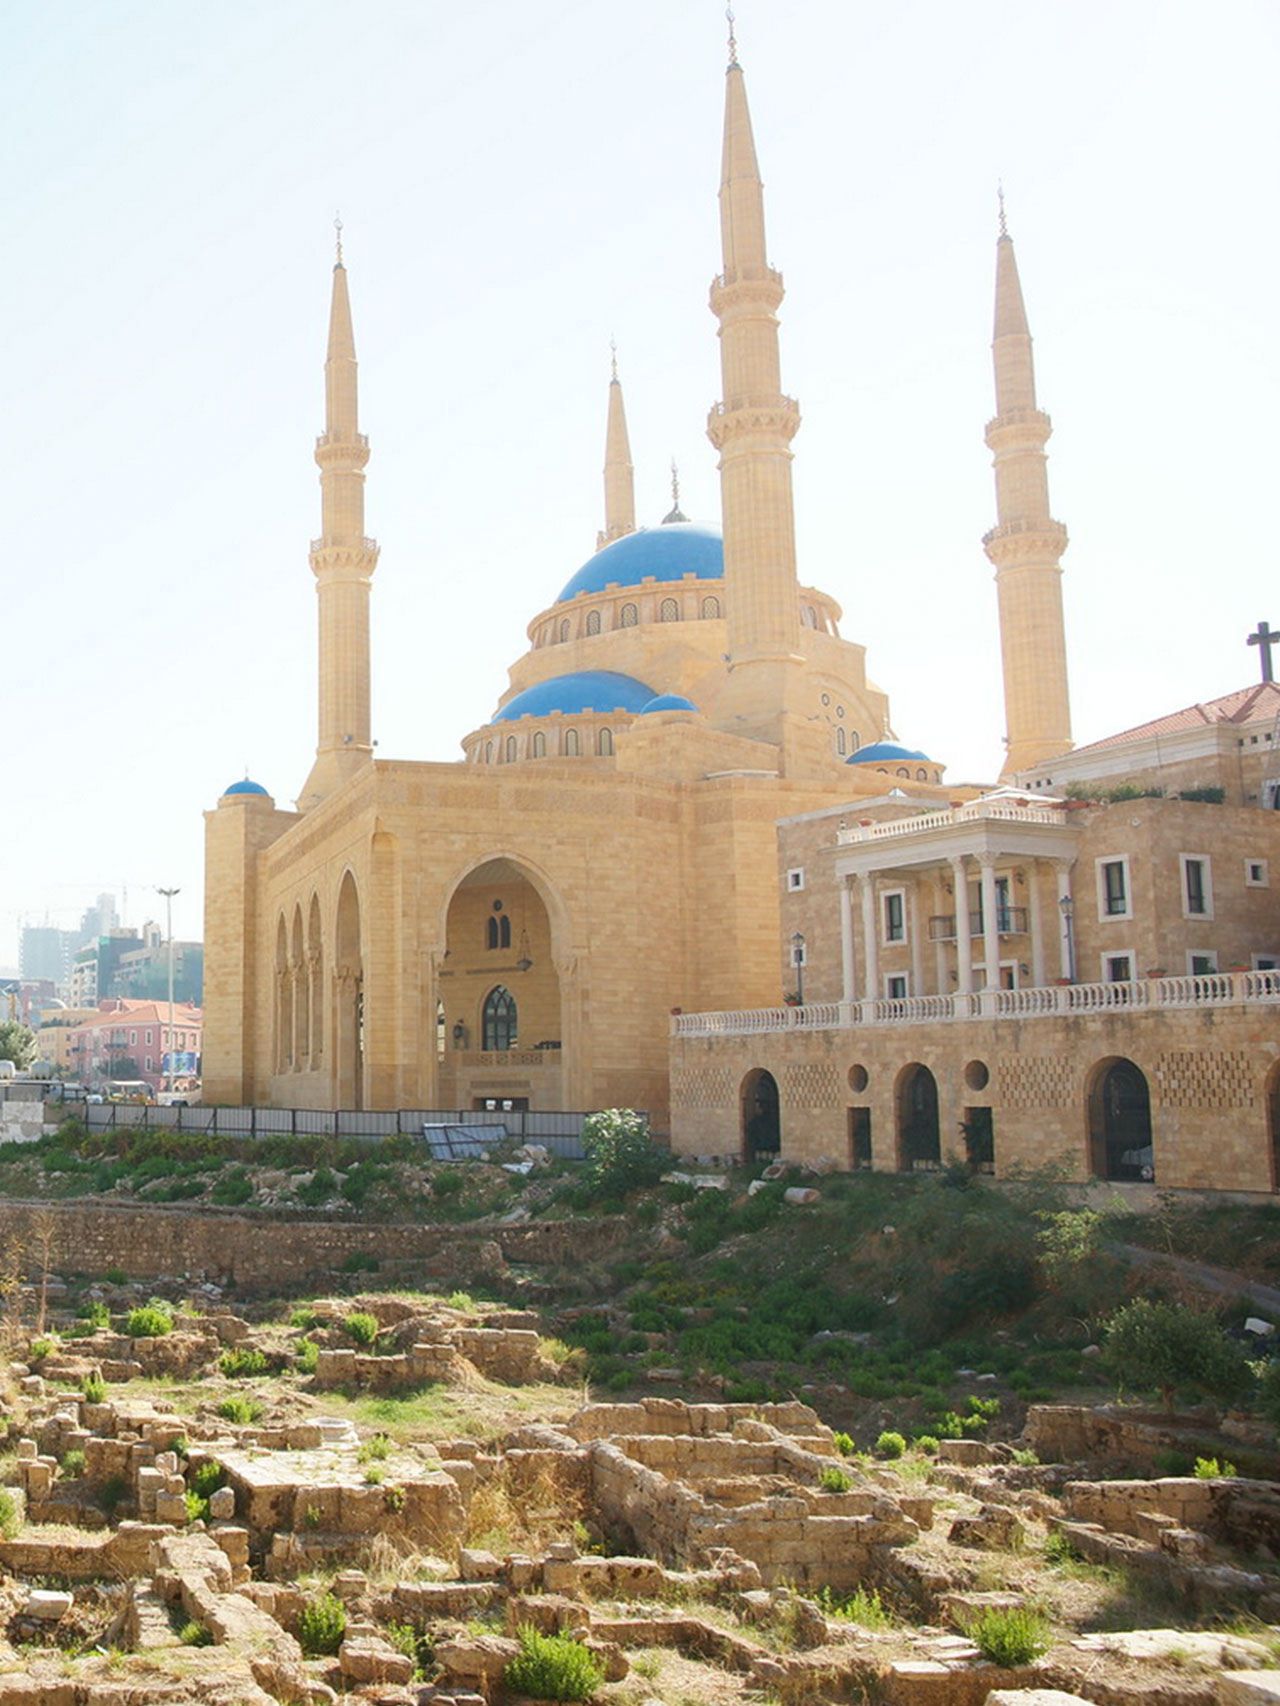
<point x="710" y="608"/>
<point x="572" y="743"/>
<point x="593" y="621"/>
<point x="604" y="743"/>
<point x="539" y="744"/>
<point x="629" y="616"/>
<point x="301" y="988"/>
<point x="669" y="610"/>
<point x="315" y="972"/>
<point x="348" y="994"/>
<point x="499" y="1021"/>
<point x="283" y="1041"/>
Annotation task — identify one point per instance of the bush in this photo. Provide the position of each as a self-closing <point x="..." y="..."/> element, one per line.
<point x="72" y="1463"/>
<point x="1009" y="1636"/>
<point x="844" y="1444"/>
<point x="834" y="1480"/>
<point x="206" y="1478"/>
<point x="95" y="1315"/>
<point x="863" y="1606"/>
<point x="150" y="1320"/>
<point x="194" y="1634"/>
<point x="361" y="1327"/>
<point x="38" y="1350"/>
<point x="322" y="1623"/>
<point x="10" y="1512"/>
<point x="242" y="1363"/>
<point x="308" y="1356"/>
<point x="553" y="1667"/>
<point x="242" y="1410"/>
<point x="1209" y="1469"/>
<point x="1165" y="1346"/>
<point x="926" y="1443"/>
<point x="94" y="1389"/>
<point x="360" y="1262"/>
<point x="621" y="1154"/>
<point x="304" y="1318"/>
<point x="233" y="1188"/>
<point x="890" y="1444"/>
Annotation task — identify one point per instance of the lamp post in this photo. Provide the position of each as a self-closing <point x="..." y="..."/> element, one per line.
<point x="168" y="909"/>
<point x="1067" y="907"/>
<point x="797" y="960"/>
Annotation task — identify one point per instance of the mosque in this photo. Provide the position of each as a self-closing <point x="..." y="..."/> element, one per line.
<point x="519" y="927"/>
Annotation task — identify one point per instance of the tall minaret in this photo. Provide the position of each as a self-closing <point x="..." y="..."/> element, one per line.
<point x="1026" y="542"/>
<point x="343" y="561"/>
<point x="619" y="476"/>
<point x="752" y="429"/>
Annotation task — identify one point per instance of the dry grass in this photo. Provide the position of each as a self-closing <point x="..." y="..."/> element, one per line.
<point x="507" y="1515"/>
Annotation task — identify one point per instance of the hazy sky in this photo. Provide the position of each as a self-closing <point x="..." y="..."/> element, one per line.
<point x="517" y="183"/>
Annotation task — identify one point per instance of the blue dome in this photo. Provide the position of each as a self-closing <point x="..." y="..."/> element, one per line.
<point x="586" y="690"/>
<point x="669" y="702"/>
<point x="665" y="553"/>
<point x="887" y="751"/>
<point x="245" y="787"/>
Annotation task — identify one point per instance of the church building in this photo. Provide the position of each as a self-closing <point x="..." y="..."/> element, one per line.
<point x="520" y="925"/>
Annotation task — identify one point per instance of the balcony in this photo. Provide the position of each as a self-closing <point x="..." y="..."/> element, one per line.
<point x="1010" y="921"/>
<point x="1077" y="1000"/>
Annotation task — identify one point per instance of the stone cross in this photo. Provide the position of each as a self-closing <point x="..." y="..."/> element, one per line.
<point x="1265" y="638"/>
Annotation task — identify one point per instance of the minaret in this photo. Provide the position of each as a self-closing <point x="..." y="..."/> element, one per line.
<point x="752" y="428"/>
<point x="1026" y="542"/>
<point x="619" y="476"/>
<point x="343" y="561"/>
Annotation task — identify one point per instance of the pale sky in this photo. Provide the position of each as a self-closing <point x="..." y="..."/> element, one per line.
<point x="517" y="184"/>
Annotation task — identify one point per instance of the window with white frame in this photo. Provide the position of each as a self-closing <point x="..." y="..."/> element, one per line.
<point x="1202" y="964"/>
<point x="1266" y="962"/>
<point x="1197" y="885"/>
<point x="795" y="879"/>
<point x="1117" y="968"/>
<point x="1255" y="874"/>
<point x="894" y="910"/>
<point x="896" y="987"/>
<point x="1115" y="898"/>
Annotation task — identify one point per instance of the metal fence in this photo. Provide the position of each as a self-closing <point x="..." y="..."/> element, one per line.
<point x="559" y="1131"/>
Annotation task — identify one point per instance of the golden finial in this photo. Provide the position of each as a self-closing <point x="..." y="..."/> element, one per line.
<point x="1004" y="223"/>
<point x="337" y="226"/>
<point x="733" y="42"/>
<point x="613" y="353"/>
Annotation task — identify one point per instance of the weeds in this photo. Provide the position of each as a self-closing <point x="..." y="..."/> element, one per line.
<point x="322" y="1623"/>
<point x="863" y="1606"/>
<point x="1010" y="1636"/>
<point x="553" y="1667"/>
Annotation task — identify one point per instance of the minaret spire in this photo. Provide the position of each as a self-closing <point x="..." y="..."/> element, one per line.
<point x="752" y="429"/>
<point x="1026" y="543"/>
<point x="343" y="561"/>
<point x="619" y="476"/>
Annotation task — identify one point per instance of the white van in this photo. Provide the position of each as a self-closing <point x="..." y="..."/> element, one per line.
<point x="8" y="1069"/>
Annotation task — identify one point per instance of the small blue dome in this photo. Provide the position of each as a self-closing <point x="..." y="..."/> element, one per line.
<point x="665" y="553"/>
<point x="669" y="702"/>
<point x="586" y="690"/>
<point x="245" y="787"/>
<point x="887" y="751"/>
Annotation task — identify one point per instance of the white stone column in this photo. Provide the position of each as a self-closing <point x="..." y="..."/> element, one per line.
<point x="870" y="941"/>
<point x="964" y="949"/>
<point x="1062" y="870"/>
<point x="1035" y="922"/>
<point x="915" y="927"/>
<point x="848" y="972"/>
<point x="990" y="919"/>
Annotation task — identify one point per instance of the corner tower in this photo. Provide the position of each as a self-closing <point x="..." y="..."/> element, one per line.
<point x="1026" y="543"/>
<point x="752" y="428"/>
<point x="343" y="561"/>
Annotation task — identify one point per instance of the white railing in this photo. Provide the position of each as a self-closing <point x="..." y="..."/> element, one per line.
<point x="976" y="811"/>
<point x="1217" y="989"/>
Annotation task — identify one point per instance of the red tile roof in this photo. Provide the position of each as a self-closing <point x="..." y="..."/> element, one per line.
<point x="1258" y="703"/>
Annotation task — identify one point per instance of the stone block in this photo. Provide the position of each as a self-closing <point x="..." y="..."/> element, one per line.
<point x="1249" y="1688"/>
<point x="365" y="1660"/>
<point x="47" y="1605"/>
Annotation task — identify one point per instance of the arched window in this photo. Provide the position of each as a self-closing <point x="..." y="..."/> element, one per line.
<point x="488" y="752"/>
<point x="498" y="931"/>
<point x="669" y="610"/>
<point x="903" y="771"/>
<point x="809" y="616"/>
<point x="564" y="629"/>
<point x="593" y="621"/>
<point x="922" y="775"/>
<point x="440" y="1028"/>
<point x="572" y="745"/>
<point x="539" y="745"/>
<point x="842" y="746"/>
<point x="629" y="616"/>
<point x="711" y="608"/>
<point x="491" y="933"/>
<point x="604" y="743"/>
<point x="855" y="740"/>
<point x="504" y="931"/>
<point x="499" y="1022"/>
<point x="510" y="753"/>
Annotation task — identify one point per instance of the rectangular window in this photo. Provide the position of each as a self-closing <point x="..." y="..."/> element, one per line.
<point x="1202" y="965"/>
<point x="895" y="988"/>
<point x="1266" y="962"/>
<point x="895" y="916"/>
<point x="1113" y="888"/>
<point x="1117" y="968"/>
<point x="1255" y="873"/>
<point x="795" y="879"/>
<point x="1197" y="886"/>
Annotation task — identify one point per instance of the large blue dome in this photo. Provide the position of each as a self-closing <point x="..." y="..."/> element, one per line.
<point x="245" y="787"/>
<point x="665" y="553"/>
<point x="886" y="752"/>
<point x="586" y="690"/>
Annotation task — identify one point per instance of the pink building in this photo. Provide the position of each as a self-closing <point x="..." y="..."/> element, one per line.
<point x="135" y="1040"/>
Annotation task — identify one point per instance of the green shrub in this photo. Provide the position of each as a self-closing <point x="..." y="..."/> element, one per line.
<point x="890" y="1444"/>
<point x="206" y="1478"/>
<point x="10" y="1512"/>
<point x="1172" y="1462"/>
<point x="94" y="1315"/>
<point x="844" y="1444"/>
<point x="38" y="1350"/>
<point x="863" y="1606"/>
<point x="621" y="1154"/>
<point x="233" y="1188"/>
<point x="1010" y="1636"/>
<point x="241" y="1363"/>
<point x="360" y="1262"/>
<point x="150" y="1320"/>
<point x="308" y="1356"/>
<point x="242" y="1410"/>
<point x="194" y="1634"/>
<point x="449" y="1183"/>
<point x="113" y="1492"/>
<point x="362" y="1327"/>
<point x="197" y="1508"/>
<point x="834" y="1480"/>
<point x="926" y="1443"/>
<point x="303" y="1318"/>
<point x="374" y="1450"/>
<point x="94" y="1389"/>
<point x="1168" y="1347"/>
<point x="1209" y="1469"/>
<point x="553" y="1667"/>
<point x="72" y="1463"/>
<point x="116" y="1276"/>
<point x="322" y="1623"/>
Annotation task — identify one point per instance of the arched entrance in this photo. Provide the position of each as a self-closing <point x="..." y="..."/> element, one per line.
<point x="919" y="1139"/>
<point x="348" y="998"/>
<point x="761" y="1122"/>
<point x="1120" y="1141"/>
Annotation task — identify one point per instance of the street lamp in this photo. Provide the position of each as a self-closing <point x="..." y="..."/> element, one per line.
<point x="1067" y="907"/>
<point x="168" y="908"/>
<point x="797" y="960"/>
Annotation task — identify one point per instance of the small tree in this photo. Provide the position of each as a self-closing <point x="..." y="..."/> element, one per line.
<point x="621" y="1154"/>
<point x="1165" y="1346"/>
<point x="17" y="1043"/>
